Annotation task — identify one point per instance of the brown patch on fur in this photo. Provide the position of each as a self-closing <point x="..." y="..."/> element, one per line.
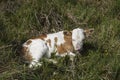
<point x="41" y="36"/>
<point x="28" y="42"/>
<point x="68" y="41"/>
<point x="49" y="41"/>
<point x="67" y="46"/>
<point x="61" y="49"/>
<point x="26" y="55"/>
<point x="67" y="35"/>
<point x="55" y="39"/>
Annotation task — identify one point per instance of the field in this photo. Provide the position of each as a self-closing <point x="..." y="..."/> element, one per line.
<point x="23" y="19"/>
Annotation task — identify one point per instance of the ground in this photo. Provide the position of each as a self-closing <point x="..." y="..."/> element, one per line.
<point x="24" y="19"/>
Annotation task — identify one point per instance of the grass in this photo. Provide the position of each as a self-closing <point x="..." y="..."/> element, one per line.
<point x="21" y="20"/>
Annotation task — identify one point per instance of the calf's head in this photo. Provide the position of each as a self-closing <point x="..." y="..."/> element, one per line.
<point x="78" y="36"/>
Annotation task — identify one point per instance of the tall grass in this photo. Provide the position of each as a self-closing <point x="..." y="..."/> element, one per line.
<point x="99" y="60"/>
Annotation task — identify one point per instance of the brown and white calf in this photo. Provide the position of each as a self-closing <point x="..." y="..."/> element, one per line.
<point x="63" y="43"/>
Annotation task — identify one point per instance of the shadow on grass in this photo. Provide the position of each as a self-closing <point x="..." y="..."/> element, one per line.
<point x="86" y="48"/>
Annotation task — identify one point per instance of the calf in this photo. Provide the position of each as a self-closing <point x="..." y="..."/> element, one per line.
<point x="62" y="43"/>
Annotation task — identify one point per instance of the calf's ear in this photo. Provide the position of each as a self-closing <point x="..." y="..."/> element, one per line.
<point x="88" y="32"/>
